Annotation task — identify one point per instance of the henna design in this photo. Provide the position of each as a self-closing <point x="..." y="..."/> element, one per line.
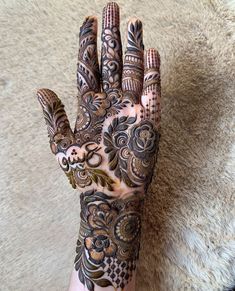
<point x="81" y="166"/>
<point x="88" y="76"/>
<point x="133" y="69"/>
<point x="92" y="112"/>
<point x="152" y="87"/>
<point x="112" y="147"/>
<point x="131" y="150"/>
<point x="126" y="143"/>
<point x="110" y="230"/>
<point x="93" y="106"/>
<point x="111" y="55"/>
<point x="58" y="127"/>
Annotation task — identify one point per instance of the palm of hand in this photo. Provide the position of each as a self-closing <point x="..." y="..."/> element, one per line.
<point x="115" y="136"/>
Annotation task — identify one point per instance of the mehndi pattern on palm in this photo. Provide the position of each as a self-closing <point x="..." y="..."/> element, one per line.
<point x="119" y="122"/>
<point x="112" y="151"/>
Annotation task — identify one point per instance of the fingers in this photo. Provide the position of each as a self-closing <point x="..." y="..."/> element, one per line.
<point x="111" y="54"/>
<point x="152" y="87"/>
<point x="133" y="69"/>
<point x="88" y="76"/>
<point x="58" y="127"/>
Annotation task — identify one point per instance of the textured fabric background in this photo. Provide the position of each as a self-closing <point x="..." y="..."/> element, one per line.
<point x="188" y="238"/>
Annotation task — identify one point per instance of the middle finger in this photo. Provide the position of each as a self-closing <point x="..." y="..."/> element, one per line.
<point x="111" y="52"/>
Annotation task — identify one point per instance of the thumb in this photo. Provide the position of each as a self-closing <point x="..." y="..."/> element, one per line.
<point x="58" y="127"/>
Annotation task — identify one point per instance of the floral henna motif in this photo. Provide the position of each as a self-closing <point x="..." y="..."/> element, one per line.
<point x="131" y="150"/>
<point x="143" y="140"/>
<point x="111" y="55"/>
<point x="110" y="230"/>
<point x="92" y="112"/>
<point x="112" y="148"/>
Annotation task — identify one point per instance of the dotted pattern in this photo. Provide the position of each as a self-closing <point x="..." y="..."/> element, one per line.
<point x="152" y="110"/>
<point x="111" y="16"/>
<point x="119" y="272"/>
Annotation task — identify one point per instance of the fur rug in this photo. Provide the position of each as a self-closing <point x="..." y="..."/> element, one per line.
<point x="188" y="238"/>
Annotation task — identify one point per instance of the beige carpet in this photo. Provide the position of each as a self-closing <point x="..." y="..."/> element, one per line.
<point x="189" y="224"/>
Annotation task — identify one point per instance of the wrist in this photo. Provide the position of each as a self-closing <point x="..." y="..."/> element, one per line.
<point x="109" y="236"/>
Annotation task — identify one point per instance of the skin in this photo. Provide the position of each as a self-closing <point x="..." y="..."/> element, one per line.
<point x="110" y="155"/>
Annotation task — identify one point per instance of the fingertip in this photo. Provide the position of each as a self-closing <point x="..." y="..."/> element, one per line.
<point x="111" y="6"/>
<point x="46" y="96"/>
<point x="91" y="22"/>
<point x="135" y="35"/>
<point x="92" y="18"/>
<point x="152" y="59"/>
<point x="134" y="21"/>
<point x="111" y="15"/>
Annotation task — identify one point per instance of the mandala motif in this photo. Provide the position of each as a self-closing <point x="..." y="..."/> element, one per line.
<point x="110" y="230"/>
<point x="127" y="227"/>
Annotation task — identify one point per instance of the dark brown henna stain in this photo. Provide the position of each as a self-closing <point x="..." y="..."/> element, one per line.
<point x="108" y="244"/>
<point x="88" y="76"/>
<point x="152" y="86"/>
<point x="93" y="110"/>
<point x="59" y="131"/>
<point x="111" y="54"/>
<point x="133" y="69"/>
<point x="131" y="150"/>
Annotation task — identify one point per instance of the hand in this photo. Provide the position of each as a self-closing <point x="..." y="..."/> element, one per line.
<point x="111" y="152"/>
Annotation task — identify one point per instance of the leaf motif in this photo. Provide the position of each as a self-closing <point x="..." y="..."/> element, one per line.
<point x="103" y="283"/>
<point x="107" y="137"/>
<point x="97" y="274"/>
<point x="109" y="187"/>
<point x="95" y="178"/>
<point x="112" y="155"/>
<point x="100" y="177"/>
<point x="90" y="285"/>
<point x="122" y="127"/>
<point x="88" y="265"/>
<point x="115" y="123"/>
<point x="81" y="276"/>
<point x="113" y="164"/>
<point x="122" y="119"/>
<point x="77" y="265"/>
<point x="108" y="150"/>
<point x="110" y="129"/>
<point x="131" y="120"/>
